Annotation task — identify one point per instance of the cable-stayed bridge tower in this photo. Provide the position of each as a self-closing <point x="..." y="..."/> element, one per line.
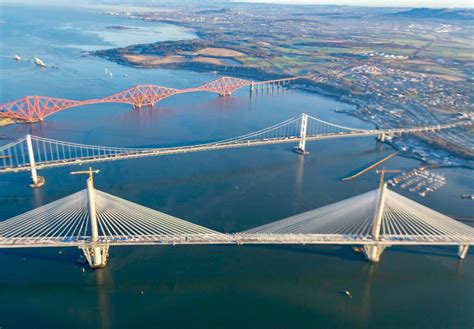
<point x="93" y="221"/>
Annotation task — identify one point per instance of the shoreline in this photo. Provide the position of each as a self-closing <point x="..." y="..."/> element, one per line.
<point x="7" y="121"/>
<point x="308" y="86"/>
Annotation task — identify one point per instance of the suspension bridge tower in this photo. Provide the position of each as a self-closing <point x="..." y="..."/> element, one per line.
<point x="37" y="181"/>
<point x="301" y="148"/>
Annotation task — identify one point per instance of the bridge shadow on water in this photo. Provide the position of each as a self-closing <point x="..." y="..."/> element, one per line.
<point x="443" y="251"/>
<point x="346" y="252"/>
<point x="64" y="256"/>
<point x="341" y="252"/>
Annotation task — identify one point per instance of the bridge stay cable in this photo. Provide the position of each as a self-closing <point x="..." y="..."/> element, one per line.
<point x="94" y="220"/>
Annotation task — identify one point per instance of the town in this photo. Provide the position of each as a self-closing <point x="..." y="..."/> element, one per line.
<point x="398" y="73"/>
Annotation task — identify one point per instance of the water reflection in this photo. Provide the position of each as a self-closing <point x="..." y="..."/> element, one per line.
<point x="369" y="273"/>
<point x="103" y="277"/>
<point x="37" y="196"/>
<point x="299" y="176"/>
<point x="145" y="116"/>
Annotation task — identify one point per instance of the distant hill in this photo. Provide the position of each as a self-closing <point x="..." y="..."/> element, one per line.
<point x="448" y="14"/>
<point x="214" y="11"/>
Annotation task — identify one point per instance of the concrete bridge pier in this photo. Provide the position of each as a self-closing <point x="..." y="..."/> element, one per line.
<point x="251" y="87"/>
<point x="373" y="252"/>
<point x="462" y="251"/>
<point x="381" y="137"/>
<point x="97" y="255"/>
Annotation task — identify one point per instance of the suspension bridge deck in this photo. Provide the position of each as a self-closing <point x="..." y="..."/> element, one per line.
<point x="47" y="153"/>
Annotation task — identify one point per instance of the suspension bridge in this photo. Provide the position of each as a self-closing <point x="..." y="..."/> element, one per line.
<point x="93" y="221"/>
<point x="37" y="108"/>
<point x="32" y="153"/>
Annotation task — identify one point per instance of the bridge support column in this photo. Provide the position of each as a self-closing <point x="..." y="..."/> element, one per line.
<point x="462" y="251"/>
<point x="97" y="255"/>
<point x="381" y="137"/>
<point x="251" y="87"/>
<point x="38" y="181"/>
<point x="301" y="148"/>
<point x="373" y="252"/>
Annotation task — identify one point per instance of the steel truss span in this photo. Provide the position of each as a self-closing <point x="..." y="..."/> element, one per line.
<point x="94" y="220"/>
<point x="37" y="108"/>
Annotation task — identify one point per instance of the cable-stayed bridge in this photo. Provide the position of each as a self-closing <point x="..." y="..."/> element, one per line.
<point x="94" y="220"/>
<point x="32" y="152"/>
<point x="37" y="108"/>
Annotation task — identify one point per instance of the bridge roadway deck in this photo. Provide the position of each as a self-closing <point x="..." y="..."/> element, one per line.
<point x="237" y="239"/>
<point x="210" y="147"/>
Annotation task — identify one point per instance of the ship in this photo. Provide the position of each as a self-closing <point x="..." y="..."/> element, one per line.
<point x="17" y="58"/>
<point x="39" y="62"/>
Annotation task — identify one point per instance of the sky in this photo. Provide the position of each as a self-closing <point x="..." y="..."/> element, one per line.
<point x="379" y="3"/>
<point x="372" y="3"/>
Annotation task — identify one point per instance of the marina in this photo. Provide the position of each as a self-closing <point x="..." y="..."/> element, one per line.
<point x="420" y="181"/>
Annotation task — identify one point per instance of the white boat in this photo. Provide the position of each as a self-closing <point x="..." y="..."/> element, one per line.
<point x="110" y="74"/>
<point x="106" y="71"/>
<point x="17" y="58"/>
<point x="347" y="293"/>
<point x="39" y="62"/>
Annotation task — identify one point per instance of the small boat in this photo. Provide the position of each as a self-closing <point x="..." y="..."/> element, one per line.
<point x="17" y="58"/>
<point x="106" y="71"/>
<point x="39" y="62"/>
<point x="468" y="196"/>
<point x="347" y="293"/>
<point x="81" y="260"/>
<point x="110" y="74"/>
<point x="125" y="75"/>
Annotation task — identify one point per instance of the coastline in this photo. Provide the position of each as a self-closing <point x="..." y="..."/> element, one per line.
<point x="307" y="85"/>
<point x="7" y="122"/>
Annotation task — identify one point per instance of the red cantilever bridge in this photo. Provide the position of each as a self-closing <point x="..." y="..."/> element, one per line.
<point x="36" y="108"/>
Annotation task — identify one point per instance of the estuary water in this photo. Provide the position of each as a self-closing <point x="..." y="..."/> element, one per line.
<point x="229" y="191"/>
